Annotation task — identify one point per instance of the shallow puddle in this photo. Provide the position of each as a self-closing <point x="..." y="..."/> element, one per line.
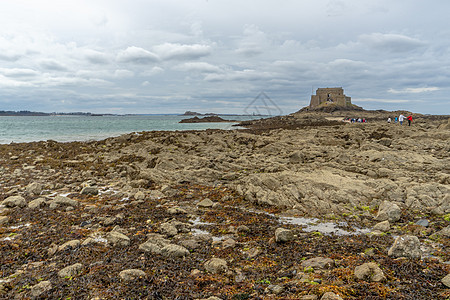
<point x="313" y="225"/>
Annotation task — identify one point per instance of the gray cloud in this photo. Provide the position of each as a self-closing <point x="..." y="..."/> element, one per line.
<point x="52" y="65"/>
<point x="391" y="42"/>
<point x="137" y="55"/>
<point x="218" y="55"/>
<point x="182" y="52"/>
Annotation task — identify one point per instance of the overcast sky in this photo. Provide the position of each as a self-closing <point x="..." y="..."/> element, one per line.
<point x="169" y="56"/>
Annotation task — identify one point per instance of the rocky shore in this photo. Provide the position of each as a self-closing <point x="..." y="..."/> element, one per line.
<point x="303" y="206"/>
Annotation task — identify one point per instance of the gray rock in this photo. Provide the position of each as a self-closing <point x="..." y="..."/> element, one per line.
<point x="388" y="211"/>
<point x="309" y="297"/>
<point x="276" y="289"/>
<point x="4" y="220"/>
<point x="216" y="266"/>
<point x="174" y="251"/>
<point x="139" y="196"/>
<point x="406" y="246"/>
<point x="70" y="270"/>
<point x="205" y="203"/>
<point x="34" y="188"/>
<point x="318" y="263"/>
<point x="283" y="235"/>
<point x="150" y="247"/>
<point x="369" y="272"/>
<point x="382" y="226"/>
<point x="445" y="231"/>
<point x="40" y="288"/>
<point x="63" y="201"/>
<point x="14" y="201"/>
<point x="229" y="243"/>
<point x="331" y="296"/>
<point x="89" y="190"/>
<point x="423" y="222"/>
<point x="109" y="221"/>
<point x="37" y="203"/>
<point x="191" y="244"/>
<point x="446" y="281"/>
<point x="70" y="244"/>
<point x="132" y="274"/>
<point x="168" y="229"/>
<point x="118" y="239"/>
<point x="176" y="211"/>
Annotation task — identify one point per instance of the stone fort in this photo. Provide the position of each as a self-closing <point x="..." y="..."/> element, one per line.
<point x="330" y="96"/>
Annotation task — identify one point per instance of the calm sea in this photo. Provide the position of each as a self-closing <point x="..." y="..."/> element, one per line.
<point x="84" y="128"/>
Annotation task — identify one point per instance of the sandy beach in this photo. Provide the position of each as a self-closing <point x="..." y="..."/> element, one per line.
<point x="303" y="206"/>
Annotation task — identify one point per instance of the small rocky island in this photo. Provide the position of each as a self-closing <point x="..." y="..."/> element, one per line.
<point x="209" y="119"/>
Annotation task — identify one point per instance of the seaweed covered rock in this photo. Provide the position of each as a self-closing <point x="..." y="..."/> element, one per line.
<point x="406" y="246"/>
<point x="370" y="272"/>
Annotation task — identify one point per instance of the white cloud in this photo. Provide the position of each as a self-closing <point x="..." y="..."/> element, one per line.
<point x="18" y="72"/>
<point x="169" y="51"/>
<point x="202" y="67"/>
<point x="414" y="90"/>
<point x="390" y="42"/>
<point x="137" y="55"/>
<point x="254" y="41"/>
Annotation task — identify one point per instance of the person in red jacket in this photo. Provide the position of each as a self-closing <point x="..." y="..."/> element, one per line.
<point x="409" y="118"/>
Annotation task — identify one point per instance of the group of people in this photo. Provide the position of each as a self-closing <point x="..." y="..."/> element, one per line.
<point x="400" y="119"/>
<point x="355" y="120"/>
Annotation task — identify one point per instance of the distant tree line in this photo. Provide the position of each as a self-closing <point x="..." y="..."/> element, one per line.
<point x="34" y="113"/>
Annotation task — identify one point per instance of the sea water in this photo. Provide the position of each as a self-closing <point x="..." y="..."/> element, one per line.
<point x="67" y="128"/>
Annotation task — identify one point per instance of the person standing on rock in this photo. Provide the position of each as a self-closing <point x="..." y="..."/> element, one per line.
<point x="389" y="120"/>
<point x="409" y="118"/>
<point x="401" y="118"/>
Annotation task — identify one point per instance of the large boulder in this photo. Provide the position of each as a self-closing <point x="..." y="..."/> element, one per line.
<point x="14" y="201"/>
<point x="61" y="201"/>
<point x="34" y="188"/>
<point x="216" y="266"/>
<point x="283" y="235"/>
<point x="174" y="251"/>
<point x="406" y="246"/>
<point x="369" y="272"/>
<point x="37" y="203"/>
<point x="118" y="239"/>
<point x="388" y="211"/>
